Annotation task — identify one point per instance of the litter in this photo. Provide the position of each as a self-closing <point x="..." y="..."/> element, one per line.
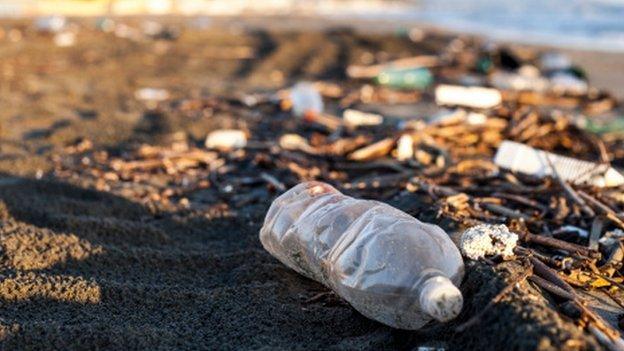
<point x="525" y="159"/>
<point x="529" y="80"/>
<point x="475" y="97"/>
<point x="372" y="151"/>
<point x="566" y="83"/>
<point x="388" y="265"/>
<point x="355" y="118"/>
<point x="296" y="142"/>
<point x="151" y="94"/>
<point x="487" y="240"/>
<point x="554" y="61"/>
<point x="226" y="139"/>
<point x="50" y="24"/>
<point x="405" y="78"/>
<point x="65" y="39"/>
<point x="405" y="148"/>
<point x="372" y="71"/>
<point x="306" y="99"/>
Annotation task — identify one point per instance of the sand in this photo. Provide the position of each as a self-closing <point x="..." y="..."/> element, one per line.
<point x="85" y="269"/>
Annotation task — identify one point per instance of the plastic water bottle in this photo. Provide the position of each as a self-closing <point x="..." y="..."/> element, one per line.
<point x="388" y="265"/>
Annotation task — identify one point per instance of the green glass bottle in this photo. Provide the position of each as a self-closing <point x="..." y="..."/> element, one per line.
<point x="405" y="78"/>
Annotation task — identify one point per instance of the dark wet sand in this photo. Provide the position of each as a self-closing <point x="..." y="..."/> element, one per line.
<point x="83" y="269"/>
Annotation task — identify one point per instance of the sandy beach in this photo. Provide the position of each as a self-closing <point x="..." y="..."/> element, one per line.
<point x="85" y="267"/>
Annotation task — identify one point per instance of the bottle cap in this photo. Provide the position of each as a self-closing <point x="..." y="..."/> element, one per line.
<point x="440" y="299"/>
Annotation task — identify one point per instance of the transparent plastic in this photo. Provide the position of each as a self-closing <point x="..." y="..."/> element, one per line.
<point x="306" y="99"/>
<point x="388" y="265"/>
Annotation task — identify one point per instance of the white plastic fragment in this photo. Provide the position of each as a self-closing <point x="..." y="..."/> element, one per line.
<point x="357" y="118"/>
<point x="405" y="147"/>
<point x="226" y="139"/>
<point x="305" y="99"/>
<point x="475" y="97"/>
<point x="486" y="240"/>
<point x="525" y="159"/>
<point x="151" y="94"/>
<point x="65" y="39"/>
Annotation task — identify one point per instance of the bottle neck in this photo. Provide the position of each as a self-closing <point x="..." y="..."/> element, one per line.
<point x="438" y="297"/>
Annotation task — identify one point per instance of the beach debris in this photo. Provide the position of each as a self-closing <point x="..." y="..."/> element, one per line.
<point x="449" y="163"/>
<point x="475" y="97"/>
<point x="51" y="24"/>
<point x="306" y="99"/>
<point x="405" y="78"/>
<point x="458" y="116"/>
<point x="296" y="142"/>
<point x="151" y="94"/>
<point x="65" y="39"/>
<point x="375" y="234"/>
<point x="611" y="237"/>
<point x="405" y="148"/>
<point x="610" y="124"/>
<point x="372" y="151"/>
<point x="528" y="78"/>
<point x="356" y="118"/>
<point x="226" y="139"/>
<point x="488" y="240"/>
<point x="567" y="83"/>
<point x="408" y="63"/>
<point x="554" y="61"/>
<point x="521" y="158"/>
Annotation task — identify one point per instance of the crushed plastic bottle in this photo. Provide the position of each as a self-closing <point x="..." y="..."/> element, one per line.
<point x="388" y="265"/>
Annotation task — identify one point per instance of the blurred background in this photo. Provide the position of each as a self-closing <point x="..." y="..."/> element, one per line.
<point x="595" y="24"/>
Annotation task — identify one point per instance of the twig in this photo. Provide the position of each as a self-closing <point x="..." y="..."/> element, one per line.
<point x="550" y="287"/>
<point x="559" y="244"/>
<point x="570" y="191"/>
<point x="610" y="214"/>
<point x="549" y="274"/>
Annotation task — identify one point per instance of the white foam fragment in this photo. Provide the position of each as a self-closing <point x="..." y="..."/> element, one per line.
<point x="475" y="97"/>
<point x="226" y="139"/>
<point x="486" y="240"/>
<point x="525" y="159"/>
